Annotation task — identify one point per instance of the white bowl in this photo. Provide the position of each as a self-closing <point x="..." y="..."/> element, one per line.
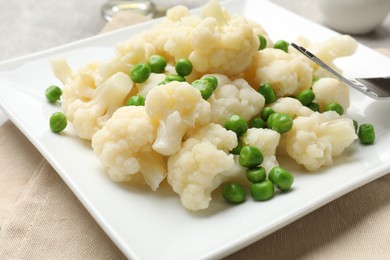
<point x="354" y="16"/>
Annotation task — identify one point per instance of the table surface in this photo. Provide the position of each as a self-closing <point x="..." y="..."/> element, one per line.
<point x="38" y="25"/>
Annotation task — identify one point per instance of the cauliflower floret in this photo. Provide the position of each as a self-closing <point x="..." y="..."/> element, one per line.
<point x="89" y="116"/>
<point x="124" y="145"/>
<point x="234" y="97"/>
<point x="138" y="48"/>
<point x="314" y="140"/>
<point x="61" y="69"/>
<point x="222" y="43"/>
<point x="266" y="140"/>
<point x="259" y="30"/>
<point x="80" y="84"/>
<point x="108" y="68"/>
<point x="329" y="50"/>
<point x="291" y="106"/>
<point x="178" y="107"/>
<point x="214" y="42"/>
<point x="197" y="168"/>
<point x="288" y="74"/>
<point x="153" y="80"/>
<point x="328" y="90"/>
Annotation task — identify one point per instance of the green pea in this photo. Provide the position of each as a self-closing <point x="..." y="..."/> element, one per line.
<point x="58" y="122"/>
<point x="263" y="42"/>
<point x="280" y="122"/>
<point x="281" y="178"/>
<point x="183" y="67"/>
<point x="267" y="111"/>
<point x="237" y="124"/>
<point x="366" y="134"/>
<point x="172" y="77"/>
<point x="250" y="156"/>
<point x="140" y="73"/>
<point x="136" y="100"/>
<point x="262" y="191"/>
<point x="335" y="107"/>
<point x="157" y="63"/>
<point x="256" y="174"/>
<point x="233" y="193"/>
<point x="314" y="106"/>
<point x="281" y="45"/>
<point x="204" y="86"/>
<point x="236" y="150"/>
<point x="213" y="81"/>
<point x="306" y="97"/>
<point x="268" y="93"/>
<point x="53" y="93"/>
<point x="257" y="122"/>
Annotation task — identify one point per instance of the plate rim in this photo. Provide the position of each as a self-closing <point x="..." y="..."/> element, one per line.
<point x="15" y="62"/>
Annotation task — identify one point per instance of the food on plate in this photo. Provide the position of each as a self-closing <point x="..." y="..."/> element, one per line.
<point x="250" y="156"/>
<point x="124" y="145"/>
<point x="90" y="115"/>
<point x="366" y="133"/>
<point x="201" y="165"/>
<point x="233" y="193"/>
<point x="329" y="50"/>
<point x="58" y="122"/>
<point x="266" y="140"/>
<point x="281" y="178"/>
<point x="208" y="100"/>
<point x="256" y="174"/>
<point x="314" y="140"/>
<point x="178" y="108"/>
<point x="262" y="191"/>
<point x="330" y="90"/>
<point x="281" y="45"/>
<point x="53" y="93"/>
<point x="288" y="74"/>
<point x="234" y="97"/>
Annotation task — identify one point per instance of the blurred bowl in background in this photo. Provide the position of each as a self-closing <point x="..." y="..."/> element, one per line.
<point x="354" y="16"/>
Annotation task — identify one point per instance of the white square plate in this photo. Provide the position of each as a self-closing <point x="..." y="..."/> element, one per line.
<point x="147" y="225"/>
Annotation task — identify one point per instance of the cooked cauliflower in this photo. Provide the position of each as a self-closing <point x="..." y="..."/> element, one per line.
<point x="266" y="140"/>
<point x="153" y="81"/>
<point x="287" y="74"/>
<point x="178" y="107"/>
<point x="197" y="168"/>
<point x="291" y="106"/>
<point x="124" y="145"/>
<point x="314" y="140"/>
<point x="328" y="90"/>
<point x="61" y="69"/>
<point x="222" y="43"/>
<point x="80" y="84"/>
<point x="214" y="42"/>
<point x="234" y="97"/>
<point x="90" y="115"/>
<point x="329" y="50"/>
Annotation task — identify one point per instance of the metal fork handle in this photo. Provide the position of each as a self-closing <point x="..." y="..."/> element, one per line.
<point x="350" y="82"/>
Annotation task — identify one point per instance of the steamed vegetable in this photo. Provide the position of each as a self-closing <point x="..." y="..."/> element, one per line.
<point x="208" y="100"/>
<point x="58" y="122"/>
<point x="124" y="145"/>
<point x="178" y="107"/>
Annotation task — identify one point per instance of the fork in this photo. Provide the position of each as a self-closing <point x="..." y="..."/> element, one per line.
<point x="376" y="88"/>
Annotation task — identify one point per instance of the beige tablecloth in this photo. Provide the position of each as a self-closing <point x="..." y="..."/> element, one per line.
<point x="40" y="218"/>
